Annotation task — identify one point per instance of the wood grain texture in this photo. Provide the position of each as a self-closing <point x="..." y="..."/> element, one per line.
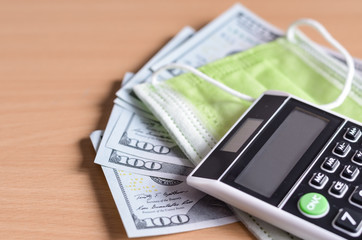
<point x="61" y="63"/>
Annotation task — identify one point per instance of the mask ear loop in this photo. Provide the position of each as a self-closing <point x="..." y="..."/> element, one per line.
<point x="201" y="75"/>
<point x="291" y="32"/>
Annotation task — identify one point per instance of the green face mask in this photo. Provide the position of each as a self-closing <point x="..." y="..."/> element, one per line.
<point x="197" y="114"/>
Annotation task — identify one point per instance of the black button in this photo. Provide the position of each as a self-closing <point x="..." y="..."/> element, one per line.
<point x="350" y="172"/>
<point x="357" y="157"/>
<point x="352" y="134"/>
<point x="338" y="189"/>
<point x="318" y="180"/>
<point x="330" y="164"/>
<point x="349" y="220"/>
<point x="342" y="148"/>
<point x="356" y="197"/>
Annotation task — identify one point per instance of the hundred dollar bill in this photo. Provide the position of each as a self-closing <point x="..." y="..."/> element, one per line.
<point x="235" y="30"/>
<point x="144" y="73"/>
<point x="129" y="107"/>
<point x="141" y="136"/>
<point x="136" y="164"/>
<point x="142" y="166"/>
<point x="156" y="206"/>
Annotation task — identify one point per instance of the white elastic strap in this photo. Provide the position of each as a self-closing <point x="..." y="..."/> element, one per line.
<point x="201" y="75"/>
<point x="350" y="64"/>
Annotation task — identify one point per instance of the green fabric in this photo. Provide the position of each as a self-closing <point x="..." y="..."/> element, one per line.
<point x="278" y="65"/>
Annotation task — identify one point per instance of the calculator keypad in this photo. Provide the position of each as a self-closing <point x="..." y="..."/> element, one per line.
<point x="336" y="175"/>
<point x="350" y="172"/>
<point x="338" y="189"/>
<point x="356" y="197"/>
<point x="319" y="180"/>
<point x="330" y="164"/>
<point x="357" y="157"/>
<point x="353" y="134"/>
<point x="341" y="149"/>
<point x="349" y="220"/>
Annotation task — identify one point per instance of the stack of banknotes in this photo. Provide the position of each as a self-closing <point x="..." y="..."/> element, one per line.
<point x="144" y="167"/>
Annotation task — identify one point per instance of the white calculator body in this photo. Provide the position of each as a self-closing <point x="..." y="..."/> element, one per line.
<point x="291" y="164"/>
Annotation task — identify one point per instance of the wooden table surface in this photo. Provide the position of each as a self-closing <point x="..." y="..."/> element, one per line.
<point x="61" y="63"/>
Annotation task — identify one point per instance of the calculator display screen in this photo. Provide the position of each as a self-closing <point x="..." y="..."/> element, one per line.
<point x="241" y="135"/>
<point x="285" y="147"/>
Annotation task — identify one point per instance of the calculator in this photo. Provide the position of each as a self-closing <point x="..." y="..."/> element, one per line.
<point x="292" y="164"/>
